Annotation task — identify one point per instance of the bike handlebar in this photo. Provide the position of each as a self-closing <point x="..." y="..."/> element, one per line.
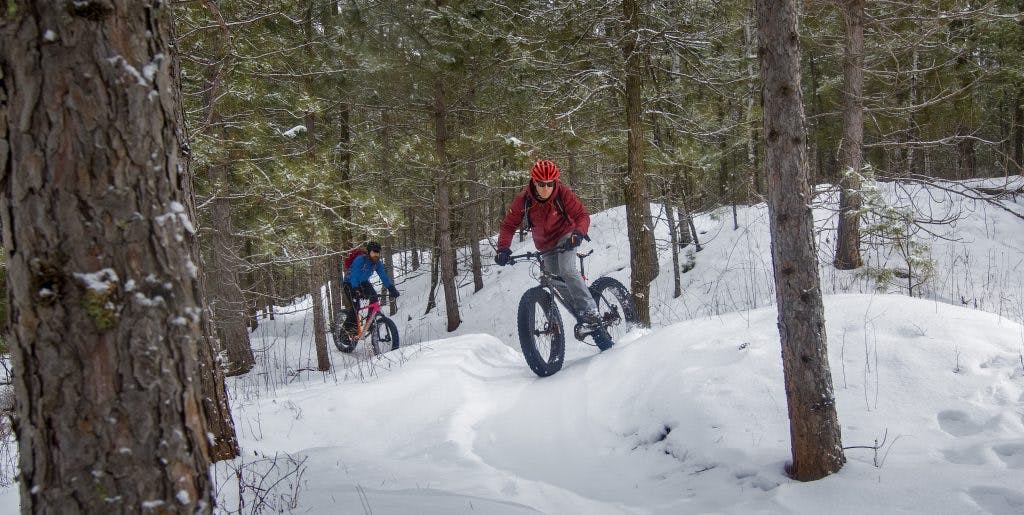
<point x="538" y="255"/>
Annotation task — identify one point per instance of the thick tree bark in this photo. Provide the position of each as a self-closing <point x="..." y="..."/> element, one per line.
<point x="814" y="428"/>
<point x="851" y="149"/>
<point x="316" y="282"/>
<point x="638" y="207"/>
<point x="106" y="310"/>
<point x="444" y="239"/>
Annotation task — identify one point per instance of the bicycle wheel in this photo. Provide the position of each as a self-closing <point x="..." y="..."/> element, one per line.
<point x="616" y="307"/>
<point x="385" y="335"/>
<point x="341" y="339"/>
<point x="541" y="332"/>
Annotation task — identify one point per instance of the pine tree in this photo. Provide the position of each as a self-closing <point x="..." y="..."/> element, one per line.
<point x="814" y="428"/>
<point x="106" y="306"/>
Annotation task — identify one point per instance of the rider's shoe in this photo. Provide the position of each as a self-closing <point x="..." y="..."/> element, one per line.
<point x="587" y="323"/>
<point x="591" y="319"/>
<point x="351" y="331"/>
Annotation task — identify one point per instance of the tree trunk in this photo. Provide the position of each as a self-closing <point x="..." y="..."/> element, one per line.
<point x="817" y="173"/>
<point x="271" y="293"/>
<point x="693" y="228"/>
<point x="638" y="208"/>
<point x="323" y="361"/>
<point x="253" y="293"/>
<point x="749" y="45"/>
<point x="226" y="299"/>
<point x="435" y="272"/>
<point x="475" y="226"/>
<point x="342" y="237"/>
<point x="1018" y="133"/>
<point x="106" y="309"/>
<point x="444" y="239"/>
<point x="677" y="284"/>
<point x="913" y="155"/>
<point x="414" y="253"/>
<point x="572" y="173"/>
<point x="814" y="429"/>
<point x="851" y="149"/>
<point x="216" y="409"/>
<point x="389" y="268"/>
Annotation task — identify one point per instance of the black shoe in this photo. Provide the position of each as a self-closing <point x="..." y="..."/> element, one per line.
<point x="590" y="319"/>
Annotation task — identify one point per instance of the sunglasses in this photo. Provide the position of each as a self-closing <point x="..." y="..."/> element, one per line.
<point x="545" y="184"/>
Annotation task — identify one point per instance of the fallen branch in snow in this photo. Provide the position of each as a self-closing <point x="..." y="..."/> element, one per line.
<point x="878" y="463"/>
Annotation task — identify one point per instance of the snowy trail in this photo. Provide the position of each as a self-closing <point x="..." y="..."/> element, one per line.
<point x="690" y="418"/>
<point x="687" y="417"/>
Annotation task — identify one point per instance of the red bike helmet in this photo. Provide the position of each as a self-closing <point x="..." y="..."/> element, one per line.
<point x="544" y="170"/>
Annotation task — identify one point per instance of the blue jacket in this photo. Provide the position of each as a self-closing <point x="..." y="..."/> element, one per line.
<point x="362" y="268"/>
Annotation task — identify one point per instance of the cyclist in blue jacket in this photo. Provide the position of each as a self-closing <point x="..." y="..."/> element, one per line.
<point x="357" y="284"/>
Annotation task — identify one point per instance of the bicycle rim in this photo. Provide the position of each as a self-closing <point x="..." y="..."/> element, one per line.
<point x="615" y="306"/>
<point x="541" y="332"/>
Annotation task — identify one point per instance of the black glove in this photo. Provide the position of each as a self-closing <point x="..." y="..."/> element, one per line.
<point x="503" y="257"/>
<point x="575" y="240"/>
<point x="393" y="292"/>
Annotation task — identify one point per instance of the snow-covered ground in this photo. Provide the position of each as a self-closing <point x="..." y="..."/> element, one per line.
<point x="686" y="417"/>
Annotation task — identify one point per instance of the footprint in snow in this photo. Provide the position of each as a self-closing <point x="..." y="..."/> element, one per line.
<point x="997" y="501"/>
<point x="958" y="423"/>
<point x="1011" y="453"/>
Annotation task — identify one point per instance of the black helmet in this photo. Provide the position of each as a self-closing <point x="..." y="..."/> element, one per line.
<point x="372" y="246"/>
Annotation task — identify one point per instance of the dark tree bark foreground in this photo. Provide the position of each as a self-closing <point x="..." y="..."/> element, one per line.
<point x="814" y="427"/>
<point x="106" y="309"/>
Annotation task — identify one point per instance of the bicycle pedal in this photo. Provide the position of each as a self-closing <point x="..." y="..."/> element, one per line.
<point x="581" y="331"/>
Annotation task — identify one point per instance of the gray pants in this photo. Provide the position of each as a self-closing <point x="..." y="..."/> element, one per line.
<point x="571" y="287"/>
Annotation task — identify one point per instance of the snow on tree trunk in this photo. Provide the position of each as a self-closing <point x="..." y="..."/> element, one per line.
<point x="106" y="309"/>
<point x="814" y="429"/>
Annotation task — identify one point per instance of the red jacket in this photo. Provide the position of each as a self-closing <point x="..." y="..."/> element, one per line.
<point x="548" y="222"/>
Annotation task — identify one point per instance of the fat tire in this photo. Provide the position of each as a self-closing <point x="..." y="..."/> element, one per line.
<point x="342" y="340"/>
<point x="601" y="289"/>
<point x="392" y="332"/>
<point x="629" y="312"/>
<point x="538" y="298"/>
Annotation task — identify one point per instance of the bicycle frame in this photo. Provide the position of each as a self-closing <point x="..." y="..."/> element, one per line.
<point x="372" y="309"/>
<point x="547" y="277"/>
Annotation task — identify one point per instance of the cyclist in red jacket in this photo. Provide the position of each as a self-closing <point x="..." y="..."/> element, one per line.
<point x="558" y="220"/>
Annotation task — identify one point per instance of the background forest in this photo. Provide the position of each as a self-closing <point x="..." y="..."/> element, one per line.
<point x="317" y="125"/>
